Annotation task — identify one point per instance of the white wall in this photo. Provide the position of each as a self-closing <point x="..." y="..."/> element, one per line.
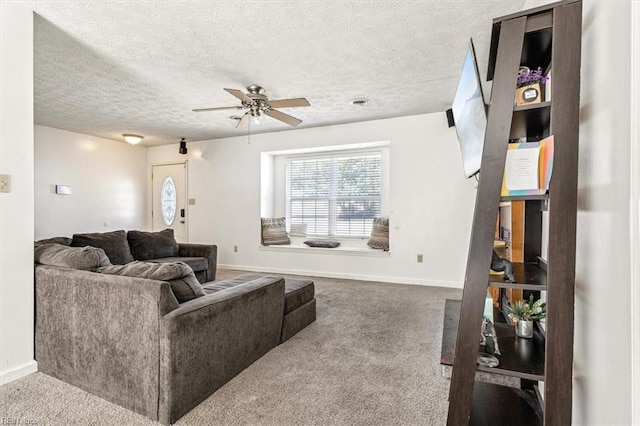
<point x="603" y="334"/>
<point x="431" y="203"/>
<point x="16" y="207"/>
<point x="635" y="209"/>
<point x="108" y="180"/>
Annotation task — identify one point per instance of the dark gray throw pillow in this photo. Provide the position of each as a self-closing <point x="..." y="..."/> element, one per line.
<point x="84" y="258"/>
<point x="65" y="241"/>
<point x="184" y="284"/>
<point x="322" y="243"/>
<point x="113" y="243"/>
<point x="152" y="245"/>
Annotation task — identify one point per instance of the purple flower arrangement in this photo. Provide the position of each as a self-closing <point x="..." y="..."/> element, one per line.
<point x="527" y="77"/>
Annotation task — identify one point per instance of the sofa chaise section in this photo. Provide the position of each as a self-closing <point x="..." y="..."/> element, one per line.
<point x="208" y="341"/>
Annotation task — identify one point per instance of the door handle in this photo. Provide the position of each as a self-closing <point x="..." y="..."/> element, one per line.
<point x="181" y="212"/>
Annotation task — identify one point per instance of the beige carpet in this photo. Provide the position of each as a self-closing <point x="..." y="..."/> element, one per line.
<point x="371" y="358"/>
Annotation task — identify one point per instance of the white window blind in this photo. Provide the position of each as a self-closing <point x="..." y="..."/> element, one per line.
<point x="336" y="195"/>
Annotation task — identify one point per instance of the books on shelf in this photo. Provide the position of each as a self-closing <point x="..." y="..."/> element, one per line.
<point x="528" y="168"/>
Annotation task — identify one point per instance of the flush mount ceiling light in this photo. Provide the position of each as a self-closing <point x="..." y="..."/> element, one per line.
<point x="359" y="102"/>
<point x="132" y="139"/>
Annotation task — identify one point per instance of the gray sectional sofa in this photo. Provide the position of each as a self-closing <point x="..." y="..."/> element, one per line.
<point x="129" y="339"/>
<point x="123" y="247"/>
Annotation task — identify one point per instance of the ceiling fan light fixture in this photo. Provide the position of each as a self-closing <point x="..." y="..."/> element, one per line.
<point x="132" y="139"/>
<point x="359" y="102"/>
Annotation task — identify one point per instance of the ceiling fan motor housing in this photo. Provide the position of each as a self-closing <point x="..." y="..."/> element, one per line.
<point x="255" y="89"/>
<point x="260" y="101"/>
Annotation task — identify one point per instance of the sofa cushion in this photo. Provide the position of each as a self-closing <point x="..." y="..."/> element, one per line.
<point x="197" y="263"/>
<point x="65" y="241"/>
<point x="152" y="245"/>
<point x="297" y="292"/>
<point x="183" y="282"/>
<point x="380" y="234"/>
<point x="274" y="231"/>
<point x="216" y="286"/>
<point x="85" y="258"/>
<point x="113" y="243"/>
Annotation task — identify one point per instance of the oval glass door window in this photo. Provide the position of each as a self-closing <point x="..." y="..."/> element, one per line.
<point x="168" y="200"/>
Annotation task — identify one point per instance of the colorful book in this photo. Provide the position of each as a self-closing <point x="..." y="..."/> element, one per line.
<point x="528" y="168"/>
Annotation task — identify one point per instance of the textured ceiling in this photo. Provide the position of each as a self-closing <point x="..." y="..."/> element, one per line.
<point x="107" y="68"/>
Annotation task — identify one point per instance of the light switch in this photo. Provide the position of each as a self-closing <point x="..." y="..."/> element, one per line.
<point x="63" y="189"/>
<point x="192" y="201"/>
<point x="5" y="183"/>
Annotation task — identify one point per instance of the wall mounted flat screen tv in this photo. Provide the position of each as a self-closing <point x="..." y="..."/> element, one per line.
<point x="469" y="114"/>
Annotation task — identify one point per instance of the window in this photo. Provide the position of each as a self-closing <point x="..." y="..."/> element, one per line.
<point x="334" y="195"/>
<point x="168" y="200"/>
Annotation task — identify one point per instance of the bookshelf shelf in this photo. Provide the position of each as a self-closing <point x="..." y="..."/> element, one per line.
<point x="531" y="121"/>
<point x="522" y="358"/>
<point x="529" y="276"/>
<point x="532" y="107"/>
<point x="524" y="408"/>
<point x="541" y="197"/>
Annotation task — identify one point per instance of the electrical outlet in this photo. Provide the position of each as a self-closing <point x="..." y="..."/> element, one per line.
<point x="420" y="258"/>
<point x="5" y="183"/>
<point x="235" y="249"/>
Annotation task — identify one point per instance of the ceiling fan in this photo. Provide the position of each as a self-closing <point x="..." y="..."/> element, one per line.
<point x="257" y="103"/>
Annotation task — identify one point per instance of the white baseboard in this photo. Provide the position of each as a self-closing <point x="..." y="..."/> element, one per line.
<point x="328" y="274"/>
<point x="18" y="372"/>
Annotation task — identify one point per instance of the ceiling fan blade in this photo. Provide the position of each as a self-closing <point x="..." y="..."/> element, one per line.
<point x="243" y="123"/>
<point x="215" y="109"/>
<point x="240" y="95"/>
<point x="289" y="103"/>
<point x="285" y="118"/>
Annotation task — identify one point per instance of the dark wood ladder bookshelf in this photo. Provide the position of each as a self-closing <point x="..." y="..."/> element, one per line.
<point x="547" y="37"/>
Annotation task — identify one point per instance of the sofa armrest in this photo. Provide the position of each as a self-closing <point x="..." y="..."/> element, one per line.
<point x="101" y="333"/>
<point x="209" y="340"/>
<point x="209" y="251"/>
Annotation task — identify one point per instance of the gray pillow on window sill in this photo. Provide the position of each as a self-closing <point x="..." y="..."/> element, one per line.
<point x="322" y="243"/>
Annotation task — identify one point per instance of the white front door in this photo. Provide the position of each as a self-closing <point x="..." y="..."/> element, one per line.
<point x="169" y="199"/>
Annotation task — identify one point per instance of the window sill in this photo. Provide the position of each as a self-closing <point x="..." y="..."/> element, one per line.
<point x="343" y="251"/>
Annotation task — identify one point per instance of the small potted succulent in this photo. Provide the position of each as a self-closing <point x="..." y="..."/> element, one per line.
<point x="529" y="85"/>
<point x="524" y="313"/>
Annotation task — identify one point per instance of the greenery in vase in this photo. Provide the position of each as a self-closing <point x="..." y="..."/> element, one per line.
<point x="527" y="77"/>
<point x="529" y="310"/>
